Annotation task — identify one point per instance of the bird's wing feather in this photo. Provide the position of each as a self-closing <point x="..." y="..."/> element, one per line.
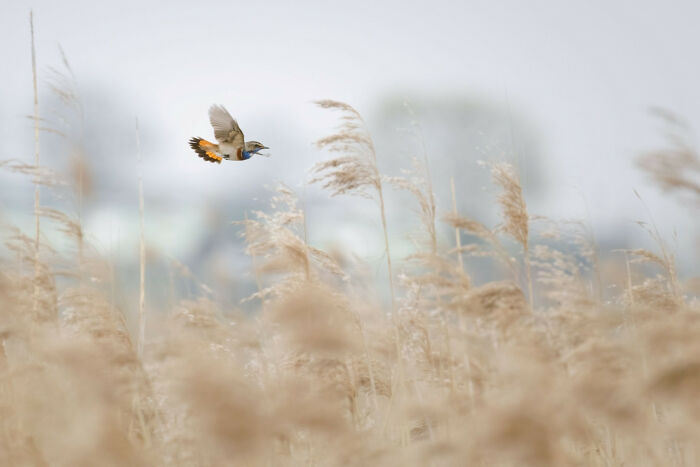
<point x="226" y="129"/>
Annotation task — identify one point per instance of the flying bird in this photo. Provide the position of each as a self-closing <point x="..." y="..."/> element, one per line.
<point x="232" y="144"/>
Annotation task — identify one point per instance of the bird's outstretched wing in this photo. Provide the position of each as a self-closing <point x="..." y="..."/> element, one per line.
<point x="226" y="129"/>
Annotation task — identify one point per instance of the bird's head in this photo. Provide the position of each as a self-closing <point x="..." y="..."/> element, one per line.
<point x="253" y="147"/>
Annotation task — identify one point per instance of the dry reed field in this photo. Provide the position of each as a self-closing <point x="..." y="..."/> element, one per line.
<point x="575" y="356"/>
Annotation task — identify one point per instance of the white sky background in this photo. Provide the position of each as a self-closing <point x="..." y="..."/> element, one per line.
<point x="584" y="73"/>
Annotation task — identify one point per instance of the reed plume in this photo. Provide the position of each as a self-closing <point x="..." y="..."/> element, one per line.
<point x="355" y="171"/>
<point x="514" y="211"/>
<point x="677" y="167"/>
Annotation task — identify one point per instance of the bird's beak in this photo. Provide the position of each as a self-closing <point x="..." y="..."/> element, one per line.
<point x="264" y="147"/>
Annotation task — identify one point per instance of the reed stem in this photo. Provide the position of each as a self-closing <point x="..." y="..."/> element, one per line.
<point x="142" y="253"/>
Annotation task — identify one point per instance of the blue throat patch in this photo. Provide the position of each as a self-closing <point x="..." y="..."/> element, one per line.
<point x="249" y="154"/>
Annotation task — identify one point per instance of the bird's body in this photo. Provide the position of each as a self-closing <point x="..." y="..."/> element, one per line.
<point x="232" y="144"/>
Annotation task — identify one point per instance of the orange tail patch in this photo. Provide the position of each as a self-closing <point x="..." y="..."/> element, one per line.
<point x="205" y="150"/>
<point x="213" y="156"/>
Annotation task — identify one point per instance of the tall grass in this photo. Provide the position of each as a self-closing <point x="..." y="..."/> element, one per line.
<point x="355" y="171"/>
<point x="142" y="253"/>
<point x="455" y="373"/>
<point x="37" y="192"/>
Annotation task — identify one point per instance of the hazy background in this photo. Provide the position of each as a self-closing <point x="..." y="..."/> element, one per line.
<point x="560" y="89"/>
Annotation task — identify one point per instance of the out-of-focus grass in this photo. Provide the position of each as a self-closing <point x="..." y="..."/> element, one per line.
<point x="454" y="373"/>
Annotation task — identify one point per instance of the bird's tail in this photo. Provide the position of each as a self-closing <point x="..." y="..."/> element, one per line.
<point x="205" y="149"/>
